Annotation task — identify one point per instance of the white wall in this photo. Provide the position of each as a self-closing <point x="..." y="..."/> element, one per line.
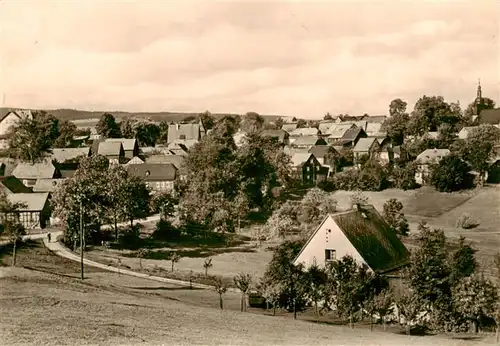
<point x="335" y="240"/>
<point x="10" y="120"/>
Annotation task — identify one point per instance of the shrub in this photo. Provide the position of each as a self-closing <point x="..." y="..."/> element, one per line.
<point x="166" y="231"/>
<point x="450" y="174"/>
<point x="395" y="218"/>
<point x="130" y="238"/>
<point x="466" y="221"/>
<point x="326" y="185"/>
<point x="373" y="177"/>
<point x="346" y="181"/>
<point x="404" y="177"/>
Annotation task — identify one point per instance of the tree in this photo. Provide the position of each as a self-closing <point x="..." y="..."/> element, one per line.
<point x="163" y="203"/>
<point x="10" y="224"/>
<point x="410" y="307"/>
<point x="207" y="120"/>
<point x="462" y="262"/>
<point x="430" y="112"/>
<point x="220" y="287"/>
<point x="372" y="177"/>
<point x="252" y="122"/>
<point x="447" y="134"/>
<point x="270" y="292"/>
<point x="163" y="137"/>
<point x="127" y="128"/>
<point x="404" y="177"/>
<point x="475" y="297"/>
<point x="31" y="139"/>
<point x="66" y="132"/>
<point x="207" y="264"/>
<point x="315" y="279"/>
<point x="242" y="281"/>
<point x="107" y="126"/>
<point x="471" y="109"/>
<point x="134" y="199"/>
<point x="147" y="133"/>
<point x="395" y="218"/>
<point x="358" y="198"/>
<point x="315" y="205"/>
<point x="383" y="305"/>
<point x="397" y="123"/>
<point x="479" y="148"/>
<point x="327" y="116"/>
<point x="141" y="253"/>
<point x="450" y="174"/>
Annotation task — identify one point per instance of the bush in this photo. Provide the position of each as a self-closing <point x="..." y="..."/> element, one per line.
<point x="326" y="185"/>
<point x="450" y="174"/>
<point x="404" y="177"/>
<point x="346" y="181"/>
<point x="131" y="238"/>
<point x="372" y="177"/>
<point x="466" y="221"/>
<point x="166" y="231"/>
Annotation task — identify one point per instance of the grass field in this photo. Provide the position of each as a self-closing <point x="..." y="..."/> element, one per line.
<point x="48" y="304"/>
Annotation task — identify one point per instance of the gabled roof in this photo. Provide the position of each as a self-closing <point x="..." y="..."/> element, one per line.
<point x="47" y="185"/>
<point x="309" y="141"/>
<point x="373" y="128"/>
<point x="110" y="148"/>
<point x="320" y="151"/>
<point x="135" y="161"/>
<point x="127" y="143"/>
<point x="298" y="159"/>
<point x="376" y="118"/>
<point x="289" y="127"/>
<point x="33" y="201"/>
<point x="351" y="134"/>
<point x="364" y="144"/>
<point x="64" y="154"/>
<point x="489" y="116"/>
<point x="34" y="171"/>
<point x="14" y="185"/>
<point x="279" y="134"/>
<point x="371" y="236"/>
<point x="20" y="113"/>
<point x="338" y="130"/>
<point x="466" y="131"/>
<point x="305" y="131"/>
<point x="184" y="131"/>
<point x="432" y="155"/>
<point x="153" y="171"/>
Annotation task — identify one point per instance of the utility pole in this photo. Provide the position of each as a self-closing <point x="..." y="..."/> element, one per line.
<point x="81" y="239"/>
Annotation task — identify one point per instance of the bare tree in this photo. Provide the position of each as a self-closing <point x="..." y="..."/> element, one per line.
<point x="174" y="258"/>
<point x="242" y="282"/>
<point x="221" y="288"/>
<point x="207" y="264"/>
<point x="141" y="254"/>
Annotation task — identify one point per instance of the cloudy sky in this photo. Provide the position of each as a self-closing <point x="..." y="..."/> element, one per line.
<point x="291" y="58"/>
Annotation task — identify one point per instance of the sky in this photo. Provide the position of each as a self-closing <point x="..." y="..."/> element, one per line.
<point x="296" y="58"/>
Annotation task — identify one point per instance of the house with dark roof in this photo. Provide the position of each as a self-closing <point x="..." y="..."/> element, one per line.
<point x="183" y="132"/>
<point x="350" y="137"/>
<point x="281" y="136"/>
<point x="8" y="120"/>
<point x="11" y="184"/>
<point x="69" y="158"/>
<point x="360" y="233"/>
<point x="35" y="212"/>
<point x="308" y="141"/>
<point x="307" y="168"/>
<point x="490" y="117"/>
<point x="130" y="146"/>
<point x="29" y="173"/>
<point x="113" y="151"/>
<point x="158" y="176"/>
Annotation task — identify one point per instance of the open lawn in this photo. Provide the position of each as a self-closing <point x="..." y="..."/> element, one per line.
<point x="54" y="307"/>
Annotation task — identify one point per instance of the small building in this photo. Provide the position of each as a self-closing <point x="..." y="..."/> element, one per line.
<point x="360" y="233"/>
<point x="183" y="132"/>
<point x="334" y="131"/>
<point x="305" y="131"/>
<point x="307" y="168"/>
<point x="366" y="146"/>
<point x="113" y="151"/>
<point x="281" y="137"/>
<point x="130" y="146"/>
<point x="35" y="212"/>
<point x="29" y="173"/>
<point x="157" y="176"/>
<point x="425" y="159"/>
<point x="11" y="184"/>
<point x="351" y="137"/>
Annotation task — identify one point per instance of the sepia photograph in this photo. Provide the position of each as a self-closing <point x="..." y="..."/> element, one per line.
<point x="249" y="172"/>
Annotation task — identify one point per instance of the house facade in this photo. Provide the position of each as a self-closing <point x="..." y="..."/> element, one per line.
<point x="307" y="168"/>
<point x="113" y="151"/>
<point x="368" y="146"/>
<point x="425" y="159"/>
<point x="35" y="212"/>
<point x="157" y="176"/>
<point x="186" y="132"/>
<point x="130" y="146"/>
<point x="360" y="233"/>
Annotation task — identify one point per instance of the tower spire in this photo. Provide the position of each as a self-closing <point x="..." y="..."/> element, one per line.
<point x="479" y="93"/>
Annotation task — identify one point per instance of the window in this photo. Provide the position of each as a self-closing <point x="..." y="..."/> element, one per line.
<point x="330" y="255"/>
<point x="308" y="168"/>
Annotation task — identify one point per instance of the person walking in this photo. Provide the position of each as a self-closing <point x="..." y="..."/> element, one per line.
<point x="48" y="237"/>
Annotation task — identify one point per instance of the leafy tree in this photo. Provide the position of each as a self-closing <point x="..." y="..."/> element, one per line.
<point x="447" y="134"/>
<point x="66" y="132"/>
<point x="174" y="258"/>
<point x="31" y="139"/>
<point x="383" y="305"/>
<point x="327" y="116"/>
<point x="394" y="216"/>
<point x="134" y="202"/>
<point x="430" y="112"/>
<point x="107" y="126"/>
<point x="270" y="292"/>
<point x="301" y="123"/>
<point x="127" y="128"/>
<point x="147" y="133"/>
<point x="397" y="123"/>
<point x="462" y="262"/>
<point x="163" y="137"/>
<point x="450" y="174"/>
<point x="404" y="177"/>
<point x="252" y="122"/>
<point x="315" y="279"/>
<point x="207" y="120"/>
<point x="372" y="177"/>
<point x="358" y="198"/>
<point x="10" y="224"/>
<point x="471" y="109"/>
<point x="410" y="307"/>
<point x="220" y="287"/>
<point x="163" y="203"/>
<point x="316" y="204"/>
<point x="479" y="148"/>
<point x="242" y="281"/>
<point x="279" y="226"/>
<point x="475" y="297"/>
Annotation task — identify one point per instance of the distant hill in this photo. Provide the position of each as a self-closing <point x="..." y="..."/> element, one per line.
<point x="75" y="114"/>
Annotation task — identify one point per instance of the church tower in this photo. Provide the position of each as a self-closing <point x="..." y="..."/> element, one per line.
<point x="479" y="103"/>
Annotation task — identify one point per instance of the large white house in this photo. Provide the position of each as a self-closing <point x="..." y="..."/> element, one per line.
<point x="360" y="233"/>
